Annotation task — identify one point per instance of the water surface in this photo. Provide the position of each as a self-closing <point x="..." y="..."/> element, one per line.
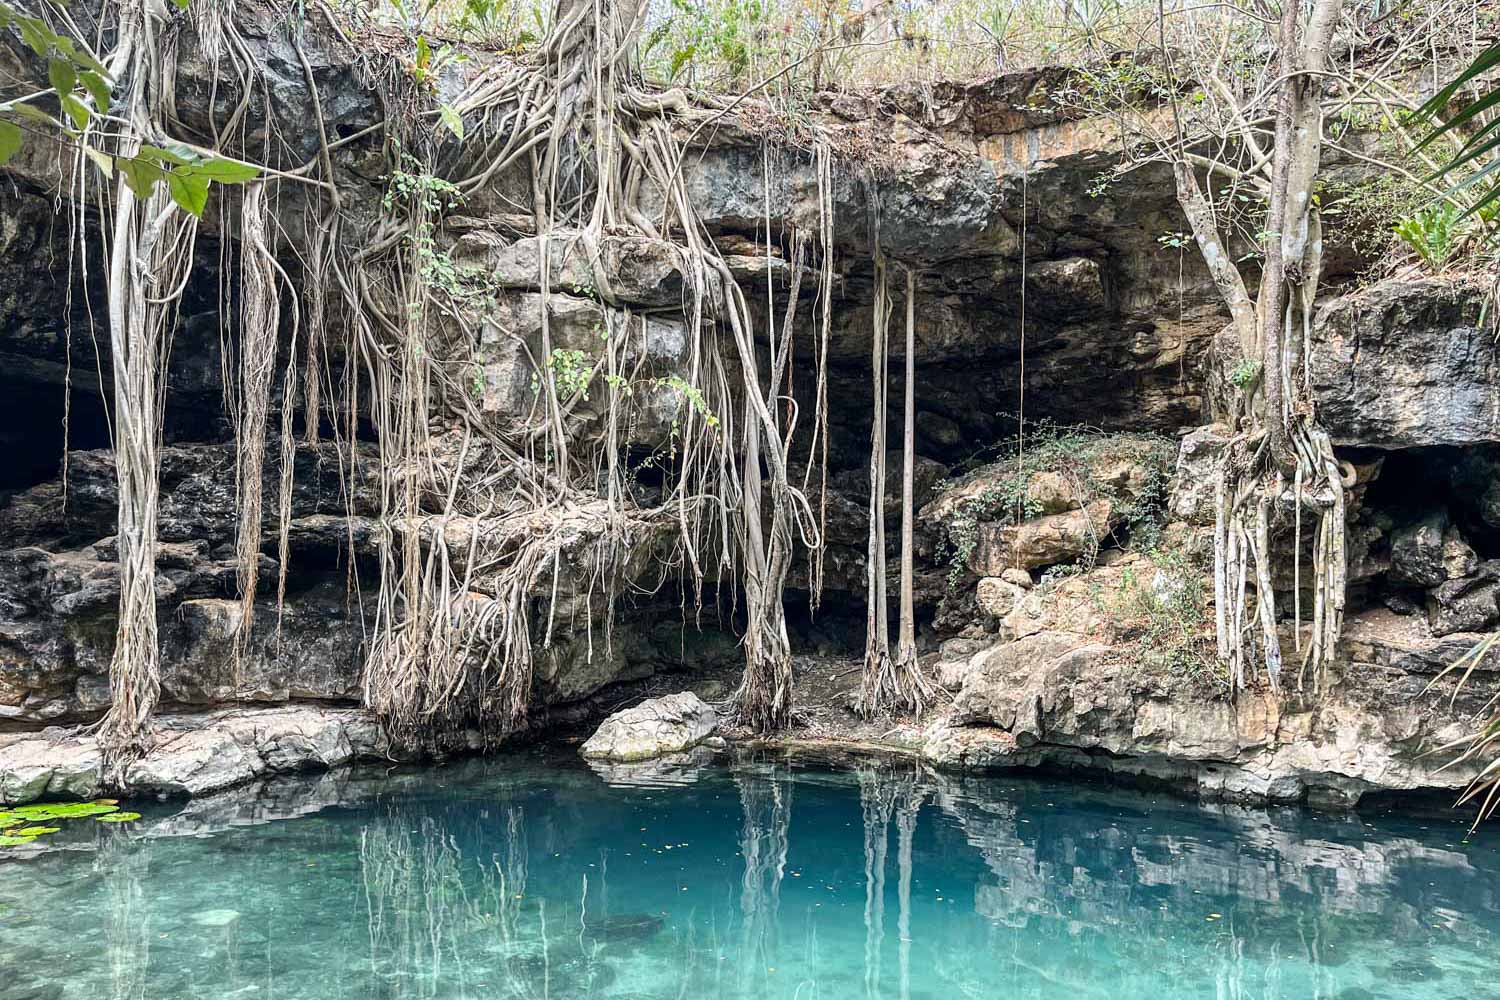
<point x="533" y="876"/>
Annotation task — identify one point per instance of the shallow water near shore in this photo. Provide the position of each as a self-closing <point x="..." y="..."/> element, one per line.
<point x="533" y="876"/>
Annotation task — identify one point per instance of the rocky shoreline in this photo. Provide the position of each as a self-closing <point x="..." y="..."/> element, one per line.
<point x="1066" y="716"/>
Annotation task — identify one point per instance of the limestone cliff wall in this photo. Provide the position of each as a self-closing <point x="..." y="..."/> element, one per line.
<point x="990" y="192"/>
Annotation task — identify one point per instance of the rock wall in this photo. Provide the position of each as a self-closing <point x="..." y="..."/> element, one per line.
<point x="1038" y="288"/>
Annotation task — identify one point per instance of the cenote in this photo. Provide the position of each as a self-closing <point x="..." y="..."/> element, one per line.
<point x="537" y="876"/>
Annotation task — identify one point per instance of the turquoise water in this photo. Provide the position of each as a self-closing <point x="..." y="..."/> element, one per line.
<point x="531" y="876"/>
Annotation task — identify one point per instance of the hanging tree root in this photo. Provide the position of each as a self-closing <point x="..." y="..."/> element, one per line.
<point x="591" y="140"/>
<point x="891" y="683"/>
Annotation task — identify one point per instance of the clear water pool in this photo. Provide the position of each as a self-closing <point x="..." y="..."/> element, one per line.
<point x="531" y="876"/>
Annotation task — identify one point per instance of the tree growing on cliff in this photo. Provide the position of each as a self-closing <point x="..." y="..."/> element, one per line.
<point x="1241" y="124"/>
<point x="1279" y="460"/>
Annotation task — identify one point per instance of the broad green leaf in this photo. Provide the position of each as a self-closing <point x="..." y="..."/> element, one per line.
<point x="10" y="140"/>
<point x="62" y="75"/>
<point x="98" y="87"/>
<point x="453" y="120"/>
<point x="119" y="817"/>
<point x="170" y="152"/>
<point x="77" y="111"/>
<point x="181" y="4"/>
<point x="31" y="111"/>
<point x="189" y="190"/>
<point x="140" y="175"/>
<point x="424" y="52"/>
<point x="225" y="171"/>
<point x="103" y="161"/>
<point x="35" y="34"/>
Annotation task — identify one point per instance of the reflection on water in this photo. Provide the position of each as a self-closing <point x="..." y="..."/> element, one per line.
<point x="529" y="877"/>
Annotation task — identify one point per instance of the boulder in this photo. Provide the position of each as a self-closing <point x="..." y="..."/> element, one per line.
<point x="1417" y="552"/>
<point x="1042" y="541"/>
<point x="1430" y="552"/>
<point x="193" y="754"/>
<point x="1471" y="604"/>
<point x="669" y="724"/>
<point x="1013" y="684"/>
<point x="1193" y="482"/>
<point x="997" y="596"/>
<point x="1020" y="577"/>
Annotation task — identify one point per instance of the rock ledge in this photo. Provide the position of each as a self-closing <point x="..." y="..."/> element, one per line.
<point x="194" y="754"/>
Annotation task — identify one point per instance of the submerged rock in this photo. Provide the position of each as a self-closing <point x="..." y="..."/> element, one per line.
<point x="625" y="927"/>
<point x="669" y="724"/>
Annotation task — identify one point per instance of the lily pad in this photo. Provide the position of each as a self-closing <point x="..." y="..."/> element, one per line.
<point x="61" y="810"/>
<point x="119" y="817"/>
<point x="36" y="831"/>
<point x="7" y="840"/>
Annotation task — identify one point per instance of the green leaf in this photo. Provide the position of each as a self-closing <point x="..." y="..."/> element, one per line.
<point x="453" y="120"/>
<point x="680" y="58"/>
<point x="141" y="176"/>
<point x="77" y="111"/>
<point x="10" y="140"/>
<point x="189" y="190"/>
<point x="62" y="75"/>
<point x="424" y="52"/>
<point x="33" y="112"/>
<point x="181" y="4"/>
<point x="1483" y="63"/>
<point x="225" y="171"/>
<point x="98" y="87"/>
<point x="35" y="34"/>
<point x="62" y="810"/>
<point x="171" y="152"/>
<point x="120" y="817"/>
<point x="103" y="161"/>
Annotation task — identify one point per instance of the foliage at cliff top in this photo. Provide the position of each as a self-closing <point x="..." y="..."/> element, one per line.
<point x="802" y="45"/>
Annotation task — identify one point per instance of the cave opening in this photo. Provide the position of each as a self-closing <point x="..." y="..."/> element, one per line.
<point x="34" y="435"/>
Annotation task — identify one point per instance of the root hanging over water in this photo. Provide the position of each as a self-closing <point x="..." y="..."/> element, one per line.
<point x="150" y="249"/>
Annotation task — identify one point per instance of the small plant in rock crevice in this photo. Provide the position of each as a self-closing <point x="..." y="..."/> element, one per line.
<point x="1244" y="373"/>
<point x="1162" y="619"/>
<point x="1433" y="233"/>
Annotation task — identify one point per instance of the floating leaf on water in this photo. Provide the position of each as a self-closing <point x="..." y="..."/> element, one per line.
<point x="61" y="810"/>
<point x="119" y="817"/>
<point x="36" y="831"/>
<point x="7" y="840"/>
